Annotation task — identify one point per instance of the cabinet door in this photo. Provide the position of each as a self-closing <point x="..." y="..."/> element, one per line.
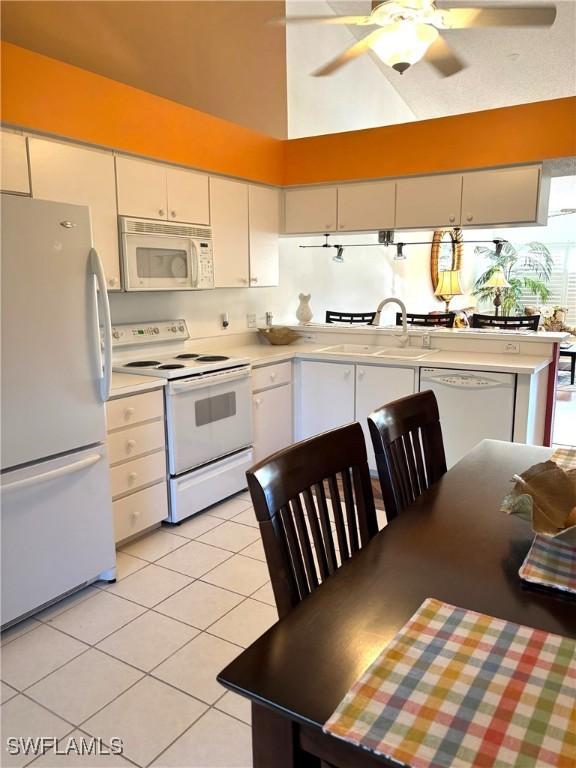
<point x="141" y="188"/>
<point x="429" y="201"/>
<point x="507" y="196"/>
<point x="326" y="397"/>
<point x="368" y="206"/>
<point x="264" y="218"/>
<point x="71" y="174"/>
<point x="376" y="386"/>
<point x="15" y="176"/>
<point x="272" y="421"/>
<point x="310" y="210"/>
<point x="188" y="196"/>
<point x="229" y="214"/>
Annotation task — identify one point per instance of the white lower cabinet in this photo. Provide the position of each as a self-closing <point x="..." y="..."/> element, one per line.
<point x="325" y="397"/>
<point x="137" y="456"/>
<point x="333" y="394"/>
<point x="376" y="386"/>
<point x="272" y="409"/>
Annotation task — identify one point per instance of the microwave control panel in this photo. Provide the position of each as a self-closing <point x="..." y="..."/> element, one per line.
<point x="205" y="264"/>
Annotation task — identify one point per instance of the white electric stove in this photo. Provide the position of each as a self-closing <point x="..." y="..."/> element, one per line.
<point x="208" y="411"/>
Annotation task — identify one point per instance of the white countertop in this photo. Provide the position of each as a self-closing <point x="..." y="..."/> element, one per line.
<point x="124" y="384"/>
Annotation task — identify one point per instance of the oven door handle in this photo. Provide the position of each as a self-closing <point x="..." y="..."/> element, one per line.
<point x="208" y="380"/>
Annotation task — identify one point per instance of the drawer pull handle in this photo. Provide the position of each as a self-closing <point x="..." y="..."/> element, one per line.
<point x="130" y="445"/>
<point x="132" y="477"/>
<point x="257" y="402"/>
<point x="128" y="412"/>
<point x="272" y="376"/>
<point x="135" y="514"/>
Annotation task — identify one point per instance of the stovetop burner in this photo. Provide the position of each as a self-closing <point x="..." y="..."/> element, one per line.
<point x="170" y="366"/>
<point x="212" y="358"/>
<point x="143" y="364"/>
<point x="187" y="356"/>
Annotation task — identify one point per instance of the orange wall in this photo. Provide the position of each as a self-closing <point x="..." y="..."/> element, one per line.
<point x="48" y="95"/>
<point x="43" y="94"/>
<point x="521" y="134"/>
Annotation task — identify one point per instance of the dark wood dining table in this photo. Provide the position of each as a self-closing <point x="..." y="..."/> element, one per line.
<point x="453" y="544"/>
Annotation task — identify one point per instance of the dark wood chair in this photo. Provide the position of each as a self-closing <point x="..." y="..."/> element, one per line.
<point x="353" y="318"/>
<point x="291" y="492"/>
<point x="407" y="439"/>
<point x="520" y="323"/>
<point x="443" y="319"/>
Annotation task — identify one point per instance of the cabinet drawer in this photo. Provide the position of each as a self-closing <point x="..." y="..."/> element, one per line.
<point x="135" y="441"/>
<point x="131" y="410"/>
<point x="135" y="474"/>
<point x="271" y="375"/>
<point x="139" y="511"/>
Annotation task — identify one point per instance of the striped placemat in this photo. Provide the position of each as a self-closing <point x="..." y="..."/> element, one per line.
<point x="459" y="689"/>
<point x="565" y="457"/>
<point x="551" y="563"/>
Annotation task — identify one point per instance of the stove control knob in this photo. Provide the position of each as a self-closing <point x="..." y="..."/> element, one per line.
<point x="156" y="330"/>
<point x="116" y="334"/>
<point x="181" y="328"/>
<point x="173" y="329"/>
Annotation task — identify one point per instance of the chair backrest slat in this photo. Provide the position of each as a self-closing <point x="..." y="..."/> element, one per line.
<point x="291" y="492"/>
<point x="306" y="549"/>
<point x="326" y="564"/>
<point x="407" y="439"/>
<point x="354" y="318"/>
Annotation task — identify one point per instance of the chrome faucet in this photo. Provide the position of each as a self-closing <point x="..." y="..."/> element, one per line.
<point x="376" y="321"/>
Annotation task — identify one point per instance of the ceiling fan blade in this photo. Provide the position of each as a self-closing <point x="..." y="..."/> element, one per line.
<point x="364" y="20"/>
<point x="443" y="58"/>
<point x="512" y="16"/>
<point x="349" y="54"/>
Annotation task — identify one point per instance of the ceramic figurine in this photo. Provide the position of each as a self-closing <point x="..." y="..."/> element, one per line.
<point x="304" y="313"/>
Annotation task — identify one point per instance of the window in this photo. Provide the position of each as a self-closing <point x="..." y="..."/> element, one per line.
<point x="562" y="282"/>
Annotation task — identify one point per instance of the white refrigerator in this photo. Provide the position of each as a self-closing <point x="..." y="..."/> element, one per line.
<point x="56" y="513"/>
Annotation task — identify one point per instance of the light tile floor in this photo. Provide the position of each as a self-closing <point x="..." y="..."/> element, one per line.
<point x="138" y="659"/>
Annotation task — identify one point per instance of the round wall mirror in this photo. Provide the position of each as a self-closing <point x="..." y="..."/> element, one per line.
<point x="446" y="253"/>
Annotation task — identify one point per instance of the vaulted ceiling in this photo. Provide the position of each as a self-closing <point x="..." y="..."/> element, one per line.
<point x="225" y="58"/>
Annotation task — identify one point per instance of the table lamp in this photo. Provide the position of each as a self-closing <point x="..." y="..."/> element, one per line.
<point x="498" y="281"/>
<point x="448" y="285"/>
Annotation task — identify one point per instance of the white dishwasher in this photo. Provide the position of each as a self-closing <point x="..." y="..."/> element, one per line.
<point x="473" y="405"/>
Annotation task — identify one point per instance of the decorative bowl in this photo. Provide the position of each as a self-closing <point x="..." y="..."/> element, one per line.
<point x="279" y="335"/>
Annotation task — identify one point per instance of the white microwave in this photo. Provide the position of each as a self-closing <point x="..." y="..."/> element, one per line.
<point x="166" y="256"/>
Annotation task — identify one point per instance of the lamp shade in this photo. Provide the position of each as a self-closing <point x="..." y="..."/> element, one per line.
<point x="497" y="279"/>
<point x="448" y="283"/>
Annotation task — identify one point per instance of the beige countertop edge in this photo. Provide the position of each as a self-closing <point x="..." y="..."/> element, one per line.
<point x="124" y="384"/>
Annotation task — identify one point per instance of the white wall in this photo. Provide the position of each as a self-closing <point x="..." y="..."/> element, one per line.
<point x="357" y="96"/>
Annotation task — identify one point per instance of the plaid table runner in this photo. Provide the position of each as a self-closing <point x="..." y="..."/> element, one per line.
<point x="460" y="689"/>
<point x="550" y="563"/>
<point x="565" y="457"/>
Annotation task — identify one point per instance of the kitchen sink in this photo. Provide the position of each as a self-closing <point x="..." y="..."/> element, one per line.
<point x="406" y="353"/>
<point x="352" y="349"/>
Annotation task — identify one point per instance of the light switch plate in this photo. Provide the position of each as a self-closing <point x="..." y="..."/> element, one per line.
<point x="251" y="320"/>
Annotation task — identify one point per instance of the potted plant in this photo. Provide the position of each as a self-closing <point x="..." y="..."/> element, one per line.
<point x="512" y="260"/>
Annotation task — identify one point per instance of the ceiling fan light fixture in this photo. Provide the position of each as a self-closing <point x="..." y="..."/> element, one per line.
<point x="402" y="44"/>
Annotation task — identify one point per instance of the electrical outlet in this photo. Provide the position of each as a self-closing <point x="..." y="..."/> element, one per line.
<point x="512" y="347"/>
<point x="251" y="320"/>
<point x="426" y="341"/>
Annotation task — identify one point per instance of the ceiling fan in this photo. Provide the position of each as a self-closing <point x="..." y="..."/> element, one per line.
<point x="407" y="31"/>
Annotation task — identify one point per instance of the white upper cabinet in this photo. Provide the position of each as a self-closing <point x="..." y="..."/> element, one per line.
<point x="264" y="226"/>
<point x="155" y="191"/>
<point x="310" y="210"/>
<point x="15" y="177"/>
<point x="67" y="173"/>
<point x="370" y="206"/>
<point x="229" y="215"/>
<point x="428" y="201"/>
<point x="141" y="188"/>
<point x="188" y="196"/>
<point x="505" y="196"/>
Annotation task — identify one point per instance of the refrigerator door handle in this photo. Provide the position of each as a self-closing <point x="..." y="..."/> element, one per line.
<point x="52" y="474"/>
<point x="98" y="271"/>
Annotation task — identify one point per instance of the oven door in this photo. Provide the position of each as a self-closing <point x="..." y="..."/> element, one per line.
<point x="159" y="263"/>
<point x="208" y="416"/>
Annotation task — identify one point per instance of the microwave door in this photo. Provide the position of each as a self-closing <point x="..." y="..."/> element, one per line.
<point x="157" y="263"/>
<point x="194" y="264"/>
